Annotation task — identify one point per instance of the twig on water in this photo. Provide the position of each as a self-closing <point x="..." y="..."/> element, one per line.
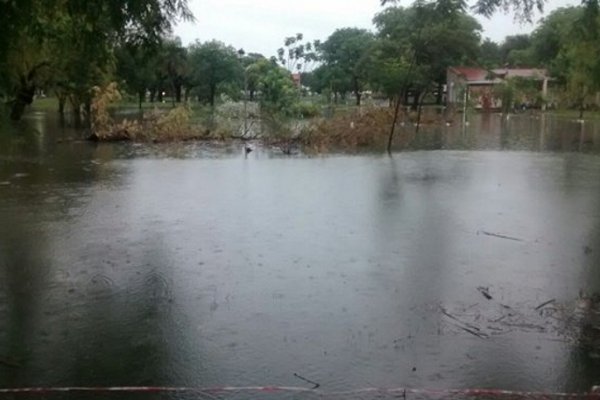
<point x="316" y="385"/>
<point x="473" y="330"/>
<point x="480" y="335"/>
<point x="9" y="364"/>
<point x="500" y="236"/>
<point x="485" y="292"/>
<point x="544" y="304"/>
<point x="447" y="314"/>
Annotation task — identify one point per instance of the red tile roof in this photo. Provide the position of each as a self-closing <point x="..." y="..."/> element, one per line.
<point x="473" y="74"/>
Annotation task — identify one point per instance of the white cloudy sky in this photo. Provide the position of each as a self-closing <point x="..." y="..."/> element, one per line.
<point x="260" y="25"/>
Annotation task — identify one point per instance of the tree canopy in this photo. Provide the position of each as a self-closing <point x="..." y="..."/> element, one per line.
<point x="35" y="32"/>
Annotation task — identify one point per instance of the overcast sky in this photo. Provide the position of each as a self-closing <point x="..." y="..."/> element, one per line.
<point x="260" y="25"/>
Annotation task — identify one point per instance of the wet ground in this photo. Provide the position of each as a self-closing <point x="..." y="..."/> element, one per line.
<point x="473" y="264"/>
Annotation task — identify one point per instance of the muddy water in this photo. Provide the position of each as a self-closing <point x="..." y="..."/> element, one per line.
<point x="193" y="265"/>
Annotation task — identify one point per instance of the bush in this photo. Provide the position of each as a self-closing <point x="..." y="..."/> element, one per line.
<point x="306" y="110"/>
<point x="156" y="126"/>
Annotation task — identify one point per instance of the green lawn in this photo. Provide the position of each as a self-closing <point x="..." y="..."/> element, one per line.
<point x="574" y="114"/>
<point x="45" y="104"/>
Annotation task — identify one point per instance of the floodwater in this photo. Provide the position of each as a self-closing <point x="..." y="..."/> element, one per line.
<point x="469" y="265"/>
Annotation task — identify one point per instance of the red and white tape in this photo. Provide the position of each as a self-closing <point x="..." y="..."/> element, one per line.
<point x="593" y="394"/>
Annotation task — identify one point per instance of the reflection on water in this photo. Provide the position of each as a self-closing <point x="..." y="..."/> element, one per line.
<point x="529" y="132"/>
<point x="192" y="265"/>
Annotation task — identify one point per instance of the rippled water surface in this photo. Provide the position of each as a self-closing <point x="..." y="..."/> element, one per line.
<point x="192" y="265"/>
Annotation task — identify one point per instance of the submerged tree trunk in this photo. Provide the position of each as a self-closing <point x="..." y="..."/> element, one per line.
<point x="395" y="121"/>
<point x="26" y="91"/>
<point x="357" y="92"/>
<point x="419" y="111"/>
<point x="212" y="94"/>
<point x="440" y="94"/>
<point x="62" y="101"/>
<point x="23" y="99"/>
<point x="88" y="112"/>
<point x="76" y="109"/>
<point x="416" y="99"/>
<point x="77" y="118"/>
<point x="178" y="93"/>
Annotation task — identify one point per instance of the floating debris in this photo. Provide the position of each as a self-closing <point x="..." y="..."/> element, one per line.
<point x="9" y="363"/>
<point x="485" y="291"/>
<point x="497" y="235"/>
<point x="544" y="304"/>
<point x="576" y="321"/>
<point x="316" y="385"/>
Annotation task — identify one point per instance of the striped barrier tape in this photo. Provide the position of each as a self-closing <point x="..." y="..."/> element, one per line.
<point x="593" y="394"/>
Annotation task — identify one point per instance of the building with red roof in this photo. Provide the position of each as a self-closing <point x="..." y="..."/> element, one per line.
<point x="479" y="84"/>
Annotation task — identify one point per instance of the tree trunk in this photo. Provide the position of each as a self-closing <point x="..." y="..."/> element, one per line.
<point x="88" y="112"/>
<point x="416" y="98"/>
<point x="141" y="98"/>
<point x="419" y="110"/>
<point x="178" y="93"/>
<point x="62" y="100"/>
<point x="357" y="92"/>
<point x="440" y="94"/>
<point x="76" y="108"/>
<point x="23" y="99"/>
<point x="152" y="95"/>
<point x="26" y="92"/>
<point x="212" y="94"/>
<point x="393" y="129"/>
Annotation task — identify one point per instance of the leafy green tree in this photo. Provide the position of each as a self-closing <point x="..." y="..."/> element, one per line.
<point x="516" y="49"/>
<point x="490" y="55"/>
<point x="524" y="9"/>
<point x="136" y="68"/>
<point x="212" y="66"/>
<point x="330" y="80"/>
<point x="421" y="41"/>
<point x="566" y="42"/>
<point x="40" y="29"/>
<point x="173" y="63"/>
<point x="278" y="93"/>
<point x="297" y="55"/>
<point x="346" y="52"/>
<point x="251" y="75"/>
<point x="553" y="35"/>
<point x="391" y="66"/>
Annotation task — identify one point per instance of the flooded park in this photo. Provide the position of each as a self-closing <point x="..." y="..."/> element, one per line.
<point x="467" y="260"/>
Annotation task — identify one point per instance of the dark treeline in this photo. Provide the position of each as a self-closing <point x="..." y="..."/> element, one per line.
<point x="68" y="47"/>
